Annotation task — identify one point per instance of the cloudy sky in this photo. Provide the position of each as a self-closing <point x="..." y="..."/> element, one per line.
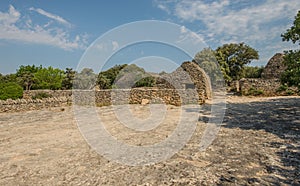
<point x="57" y="33"/>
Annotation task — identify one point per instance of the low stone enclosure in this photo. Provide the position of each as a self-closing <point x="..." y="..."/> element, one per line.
<point x="101" y="98"/>
<point x="174" y="92"/>
<point x="174" y="88"/>
<point x="258" y="86"/>
<point x="263" y="87"/>
<point x="269" y="84"/>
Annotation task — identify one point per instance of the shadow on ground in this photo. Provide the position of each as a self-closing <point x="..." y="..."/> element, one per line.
<point x="280" y="117"/>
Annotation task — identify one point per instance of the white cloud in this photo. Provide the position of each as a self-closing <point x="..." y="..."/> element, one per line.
<point x="11" y="17"/>
<point x="10" y="29"/>
<point x="219" y="17"/>
<point x="258" y="23"/>
<point x="51" y="16"/>
<point x="194" y="10"/>
<point x="163" y="5"/>
<point x="115" y="45"/>
<point x="164" y="8"/>
<point x="189" y="36"/>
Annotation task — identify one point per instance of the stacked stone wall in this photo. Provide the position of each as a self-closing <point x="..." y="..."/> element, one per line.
<point x="61" y="98"/>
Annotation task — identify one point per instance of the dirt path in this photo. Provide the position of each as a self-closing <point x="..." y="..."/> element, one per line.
<point x="258" y="144"/>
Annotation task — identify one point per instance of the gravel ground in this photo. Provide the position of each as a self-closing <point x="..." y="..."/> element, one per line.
<point x="258" y="144"/>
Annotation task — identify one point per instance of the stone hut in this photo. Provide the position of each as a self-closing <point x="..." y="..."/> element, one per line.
<point x="188" y="76"/>
<point x="270" y="83"/>
<point x="199" y="78"/>
<point x="274" y="68"/>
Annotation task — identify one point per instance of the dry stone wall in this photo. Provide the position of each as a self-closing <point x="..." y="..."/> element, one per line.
<point x="101" y="98"/>
<point x="269" y="84"/>
<point x="33" y="104"/>
<point x="266" y="87"/>
<point x="53" y="93"/>
<point x="136" y="96"/>
<point x="175" y="89"/>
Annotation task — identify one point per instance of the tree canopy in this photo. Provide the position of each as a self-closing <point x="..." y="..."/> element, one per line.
<point x="86" y="79"/>
<point x="48" y="78"/>
<point x="10" y="90"/>
<point x="67" y="82"/>
<point x="226" y="62"/>
<point x="107" y="78"/>
<point x="232" y="59"/>
<point x="291" y="76"/>
<point x="252" y="72"/>
<point x="293" y="33"/>
<point x="25" y="75"/>
<point x="206" y="59"/>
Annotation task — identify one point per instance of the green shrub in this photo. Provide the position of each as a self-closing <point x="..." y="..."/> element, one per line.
<point x="254" y="92"/>
<point x="282" y="88"/>
<point x="10" y="91"/>
<point x="41" y="95"/>
<point x="146" y="82"/>
<point x="290" y="92"/>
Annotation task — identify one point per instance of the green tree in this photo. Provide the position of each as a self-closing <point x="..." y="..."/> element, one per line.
<point x="291" y="76"/>
<point x="107" y="78"/>
<point x="25" y="75"/>
<point x="48" y="78"/>
<point x="206" y="59"/>
<point x="252" y="72"/>
<point x="67" y="82"/>
<point x="233" y="57"/>
<point x="9" y="78"/>
<point x="293" y="33"/>
<point x="86" y="79"/>
<point x="103" y="81"/>
<point x="148" y="81"/>
<point x="10" y="90"/>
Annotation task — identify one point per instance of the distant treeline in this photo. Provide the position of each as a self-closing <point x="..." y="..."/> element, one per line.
<point x="231" y="59"/>
<point x="33" y="77"/>
<point x="228" y="62"/>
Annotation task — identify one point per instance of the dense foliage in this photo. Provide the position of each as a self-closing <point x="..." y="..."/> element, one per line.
<point x="124" y="76"/>
<point x="8" y="78"/>
<point x="291" y="76"/>
<point x="206" y="59"/>
<point x="25" y="75"/>
<point x="48" y="78"/>
<point x="86" y="79"/>
<point x="67" y="82"/>
<point x="252" y="72"/>
<point x="145" y="82"/>
<point x="231" y="59"/>
<point x="41" y="95"/>
<point x="107" y="78"/>
<point x="10" y="90"/>
<point x="33" y="77"/>
<point x="293" y="33"/>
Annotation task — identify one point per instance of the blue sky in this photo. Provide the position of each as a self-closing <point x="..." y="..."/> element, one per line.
<point x="57" y="33"/>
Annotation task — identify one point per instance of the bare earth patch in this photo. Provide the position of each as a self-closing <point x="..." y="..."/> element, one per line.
<point x="258" y="144"/>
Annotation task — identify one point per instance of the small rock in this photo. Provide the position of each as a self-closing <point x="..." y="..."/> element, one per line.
<point x="145" y="101"/>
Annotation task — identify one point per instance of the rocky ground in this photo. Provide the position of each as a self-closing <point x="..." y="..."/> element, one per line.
<point x="258" y="144"/>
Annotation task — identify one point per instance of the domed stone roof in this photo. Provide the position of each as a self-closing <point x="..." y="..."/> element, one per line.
<point x="274" y="68"/>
